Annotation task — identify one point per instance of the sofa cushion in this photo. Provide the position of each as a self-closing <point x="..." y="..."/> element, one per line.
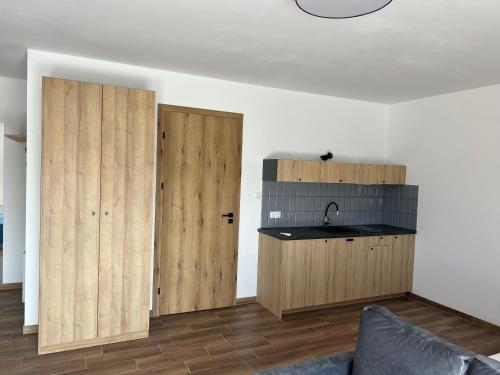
<point x="337" y="364"/>
<point x="389" y="345"/>
<point x="484" y="366"/>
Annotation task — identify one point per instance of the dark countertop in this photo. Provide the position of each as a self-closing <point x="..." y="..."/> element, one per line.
<point x="315" y="233"/>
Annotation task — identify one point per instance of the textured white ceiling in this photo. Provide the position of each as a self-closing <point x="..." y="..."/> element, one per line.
<point x="407" y="50"/>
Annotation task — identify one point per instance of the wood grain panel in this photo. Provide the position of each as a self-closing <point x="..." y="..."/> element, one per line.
<point x="306" y="265"/>
<point x="371" y="174"/>
<point x="402" y="264"/>
<point x="287" y="171"/>
<point x="197" y="247"/>
<point x="270" y="274"/>
<point x="126" y="210"/>
<point x="70" y="196"/>
<point x="394" y="174"/>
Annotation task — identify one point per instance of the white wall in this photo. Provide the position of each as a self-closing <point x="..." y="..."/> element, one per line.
<point x="15" y="208"/>
<point x="13" y="105"/>
<point x="451" y="144"/>
<point x="277" y="122"/>
<point x="13" y="114"/>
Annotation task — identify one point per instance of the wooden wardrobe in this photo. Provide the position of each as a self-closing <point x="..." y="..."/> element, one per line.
<point x="96" y="214"/>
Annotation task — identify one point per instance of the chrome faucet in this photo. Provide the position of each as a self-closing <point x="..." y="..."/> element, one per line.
<point x="326" y="220"/>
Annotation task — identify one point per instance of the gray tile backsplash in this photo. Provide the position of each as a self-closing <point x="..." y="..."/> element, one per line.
<point x="303" y="204"/>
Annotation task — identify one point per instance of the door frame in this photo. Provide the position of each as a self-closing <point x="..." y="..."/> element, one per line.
<point x="158" y="202"/>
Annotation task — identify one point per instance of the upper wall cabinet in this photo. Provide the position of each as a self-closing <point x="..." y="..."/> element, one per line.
<point x="331" y="172"/>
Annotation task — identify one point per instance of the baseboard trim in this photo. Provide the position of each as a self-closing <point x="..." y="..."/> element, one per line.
<point x="28" y="330"/>
<point x="458" y="313"/>
<point x="344" y="303"/>
<point x="245" y="300"/>
<point x="92" y="342"/>
<point x="11" y="286"/>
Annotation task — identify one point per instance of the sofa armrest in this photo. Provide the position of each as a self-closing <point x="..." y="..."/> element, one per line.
<point x="337" y="364"/>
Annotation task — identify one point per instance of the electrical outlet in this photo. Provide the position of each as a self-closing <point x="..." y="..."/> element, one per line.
<point x="275" y="215"/>
<point x="257" y="195"/>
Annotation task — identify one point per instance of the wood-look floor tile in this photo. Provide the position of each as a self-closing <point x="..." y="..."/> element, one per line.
<point x="217" y="330"/>
<point x="284" y="336"/>
<point x="136" y="344"/>
<point x="35" y="359"/>
<point x="168" y="358"/>
<point x="281" y="359"/>
<point x="180" y="346"/>
<point x="282" y="347"/>
<point x="112" y="369"/>
<point x="234" y="340"/>
<point x="60" y="367"/>
<point x="219" y="360"/>
<point x="237" y="345"/>
<point x="229" y="369"/>
<point x="116" y="357"/>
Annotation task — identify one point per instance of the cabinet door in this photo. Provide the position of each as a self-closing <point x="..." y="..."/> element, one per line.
<point x="305" y="270"/>
<point x="349" y="173"/>
<point x="358" y="273"/>
<point x="379" y="270"/>
<point x="126" y="211"/>
<point x="70" y="196"/>
<point x="308" y="171"/>
<point x="287" y="171"/>
<point x="402" y="264"/>
<point x="339" y="269"/>
<point x="371" y="174"/>
<point x="394" y="175"/>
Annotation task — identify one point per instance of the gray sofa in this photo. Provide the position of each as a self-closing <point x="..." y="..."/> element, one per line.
<point x="388" y="345"/>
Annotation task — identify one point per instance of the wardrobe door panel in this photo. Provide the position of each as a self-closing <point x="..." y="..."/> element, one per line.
<point x="126" y="211"/>
<point x="70" y="196"/>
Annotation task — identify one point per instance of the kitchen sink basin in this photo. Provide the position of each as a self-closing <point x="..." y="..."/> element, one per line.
<point x="339" y="230"/>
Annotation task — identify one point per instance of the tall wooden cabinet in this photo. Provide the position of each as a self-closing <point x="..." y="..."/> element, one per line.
<point x="96" y="214"/>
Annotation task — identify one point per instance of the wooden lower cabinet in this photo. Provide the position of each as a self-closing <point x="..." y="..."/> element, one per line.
<point x="306" y="273"/>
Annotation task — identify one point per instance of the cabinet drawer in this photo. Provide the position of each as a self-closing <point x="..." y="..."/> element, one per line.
<point x="380" y="240"/>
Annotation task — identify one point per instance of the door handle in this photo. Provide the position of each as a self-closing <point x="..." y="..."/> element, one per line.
<point x="229" y="216"/>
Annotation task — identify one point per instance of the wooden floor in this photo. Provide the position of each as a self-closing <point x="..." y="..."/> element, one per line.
<point x="236" y="340"/>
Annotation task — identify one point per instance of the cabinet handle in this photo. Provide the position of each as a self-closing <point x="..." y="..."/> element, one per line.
<point x="93" y="213"/>
<point x="350" y="239"/>
<point x="106" y="213"/>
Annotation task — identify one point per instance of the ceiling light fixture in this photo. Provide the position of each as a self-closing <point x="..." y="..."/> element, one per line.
<point x="341" y="8"/>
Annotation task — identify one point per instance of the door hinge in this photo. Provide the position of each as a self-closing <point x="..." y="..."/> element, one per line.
<point x="163" y="135"/>
<point x="162" y="185"/>
<point x="158" y="290"/>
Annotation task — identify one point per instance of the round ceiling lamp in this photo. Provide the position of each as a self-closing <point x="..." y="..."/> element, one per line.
<point x="341" y="8"/>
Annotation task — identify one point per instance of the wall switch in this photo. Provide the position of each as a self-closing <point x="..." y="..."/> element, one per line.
<point x="275" y="215"/>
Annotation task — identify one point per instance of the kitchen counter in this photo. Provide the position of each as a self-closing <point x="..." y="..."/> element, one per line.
<point x="314" y="233"/>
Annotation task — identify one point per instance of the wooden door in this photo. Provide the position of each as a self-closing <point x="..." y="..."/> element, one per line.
<point x="126" y="211"/>
<point x="199" y="168"/>
<point x="70" y="199"/>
